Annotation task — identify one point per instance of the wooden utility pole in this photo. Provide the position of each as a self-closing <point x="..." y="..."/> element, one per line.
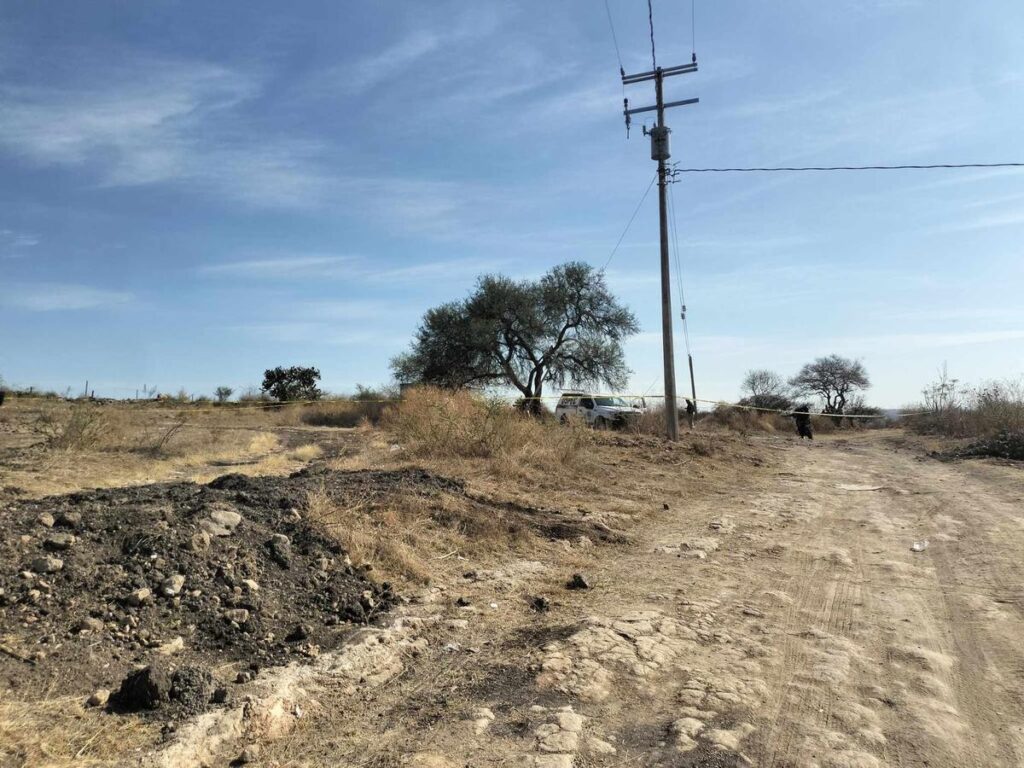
<point x="660" y="151"/>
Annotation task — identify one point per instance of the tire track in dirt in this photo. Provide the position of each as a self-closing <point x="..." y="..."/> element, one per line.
<point x="876" y="656"/>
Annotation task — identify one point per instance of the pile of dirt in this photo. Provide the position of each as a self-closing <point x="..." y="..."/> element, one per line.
<point x="226" y="577"/>
<point x="1003" y="445"/>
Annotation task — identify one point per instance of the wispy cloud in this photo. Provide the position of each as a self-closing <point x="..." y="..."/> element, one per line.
<point x="784" y="104"/>
<point x="15" y="245"/>
<point x="312" y="332"/>
<point x="298" y="267"/>
<point x="155" y="121"/>
<point x="355" y="309"/>
<point x="55" y="297"/>
<point x="989" y="221"/>
<point x="896" y="342"/>
<point x="140" y="114"/>
<point x="961" y="313"/>
<point x="422" y="42"/>
<point x="326" y="267"/>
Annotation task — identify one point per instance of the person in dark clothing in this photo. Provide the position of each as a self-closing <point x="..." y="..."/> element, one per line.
<point x="802" y="417"/>
<point x="1" y="397"/>
<point x="691" y="410"/>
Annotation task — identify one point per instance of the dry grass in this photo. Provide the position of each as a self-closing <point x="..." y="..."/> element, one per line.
<point x="443" y="425"/>
<point x="387" y="540"/>
<point x="53" y="446"/>
<point x="744" y="421"/>
<point x="406" y="536"/>
<point x="650" y="422"/>
<point x="343" y="413"/>
<point x="57" y="732"/>
<point x="307" y="452"/>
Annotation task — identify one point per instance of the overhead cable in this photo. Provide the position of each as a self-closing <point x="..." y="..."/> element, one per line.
<point x="630" y="222"/>
<point x="774" y="169"/>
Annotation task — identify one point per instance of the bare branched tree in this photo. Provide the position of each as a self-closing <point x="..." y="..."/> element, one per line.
<point x="763" y="388"/>
<point x="834" y="379"/>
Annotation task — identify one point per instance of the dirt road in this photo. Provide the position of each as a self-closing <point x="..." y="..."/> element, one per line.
<point x="791" y="623"/>
<point x="783" y="621"/>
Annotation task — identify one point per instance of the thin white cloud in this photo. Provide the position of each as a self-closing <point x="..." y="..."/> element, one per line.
<point x="381" y="66"/>
<point x="15" y="245"/>
<point x="907" y="341"/>
<point x="56" y="297"/>
<point x="325" y="267"/>
<point x="312" y="332"/>
<point x="140" y="117"/>
<point x="355" y="309"/>
<point x="298" y="267"/>
<point x="965" y="313"/>
<point x="782" y="105"/>
<point x="471" y="25"/>
<point x="991" y="221"/>
<point x="451" y="269"/>
<point x="158" y="121"/>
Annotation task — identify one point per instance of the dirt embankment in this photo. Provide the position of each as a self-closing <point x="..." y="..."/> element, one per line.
<point x="234" y="575"/>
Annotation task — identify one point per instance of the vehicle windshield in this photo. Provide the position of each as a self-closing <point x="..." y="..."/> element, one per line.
<point x="616" y="402"/>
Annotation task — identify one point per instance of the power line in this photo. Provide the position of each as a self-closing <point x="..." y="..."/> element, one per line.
<point x="693" y="30"/>
<point x="679" y="266"/>
<point x="675" y="244"/>
<point x="650" y="22"/>
<point x="849" y="168"/>
<point x="630" y="222"/>
<point x="615" y="39"/>
<point x="682" y="294"/>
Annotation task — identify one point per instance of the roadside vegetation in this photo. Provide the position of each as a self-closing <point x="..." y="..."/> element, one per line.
<point x="438" y="423"/>
<point x="955" y="409"/>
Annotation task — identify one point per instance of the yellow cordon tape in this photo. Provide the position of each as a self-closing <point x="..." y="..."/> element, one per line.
<point x="726" y="404"/>
<point x="156" y="404"/>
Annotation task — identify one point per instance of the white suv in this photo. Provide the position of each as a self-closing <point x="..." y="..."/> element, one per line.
<point x="599" y="411"/>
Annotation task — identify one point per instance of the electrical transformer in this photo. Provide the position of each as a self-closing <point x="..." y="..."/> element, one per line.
<point x="660" y="142"/>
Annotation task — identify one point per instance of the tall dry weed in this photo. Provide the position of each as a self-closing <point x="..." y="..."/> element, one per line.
<point x="746" y="421"/>
<point x="444" y="424"/>
<point x="78" y="427"/>
<point x="982" y="411"/>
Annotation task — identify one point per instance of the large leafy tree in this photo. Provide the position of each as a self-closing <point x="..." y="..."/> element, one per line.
<point x="834" y="379"/>
<point x="294" y="383"/>
<point x="566" y="328"/>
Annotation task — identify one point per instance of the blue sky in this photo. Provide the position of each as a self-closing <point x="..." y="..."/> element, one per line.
<point x="191" y="192"/>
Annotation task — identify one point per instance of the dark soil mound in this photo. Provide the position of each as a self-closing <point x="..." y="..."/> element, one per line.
<point x="183" y="579"/>
<point x="1003" y="445"/>
<point x="96" y="584"/>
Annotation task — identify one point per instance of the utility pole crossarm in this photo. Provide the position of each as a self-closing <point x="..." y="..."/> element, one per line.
<point x="681" y="103"/>
<point x="683" y="69"/>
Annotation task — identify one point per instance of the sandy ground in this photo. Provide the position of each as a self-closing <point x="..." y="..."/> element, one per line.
<point x="762" y="606"/>
<point x="778" y="619"/>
